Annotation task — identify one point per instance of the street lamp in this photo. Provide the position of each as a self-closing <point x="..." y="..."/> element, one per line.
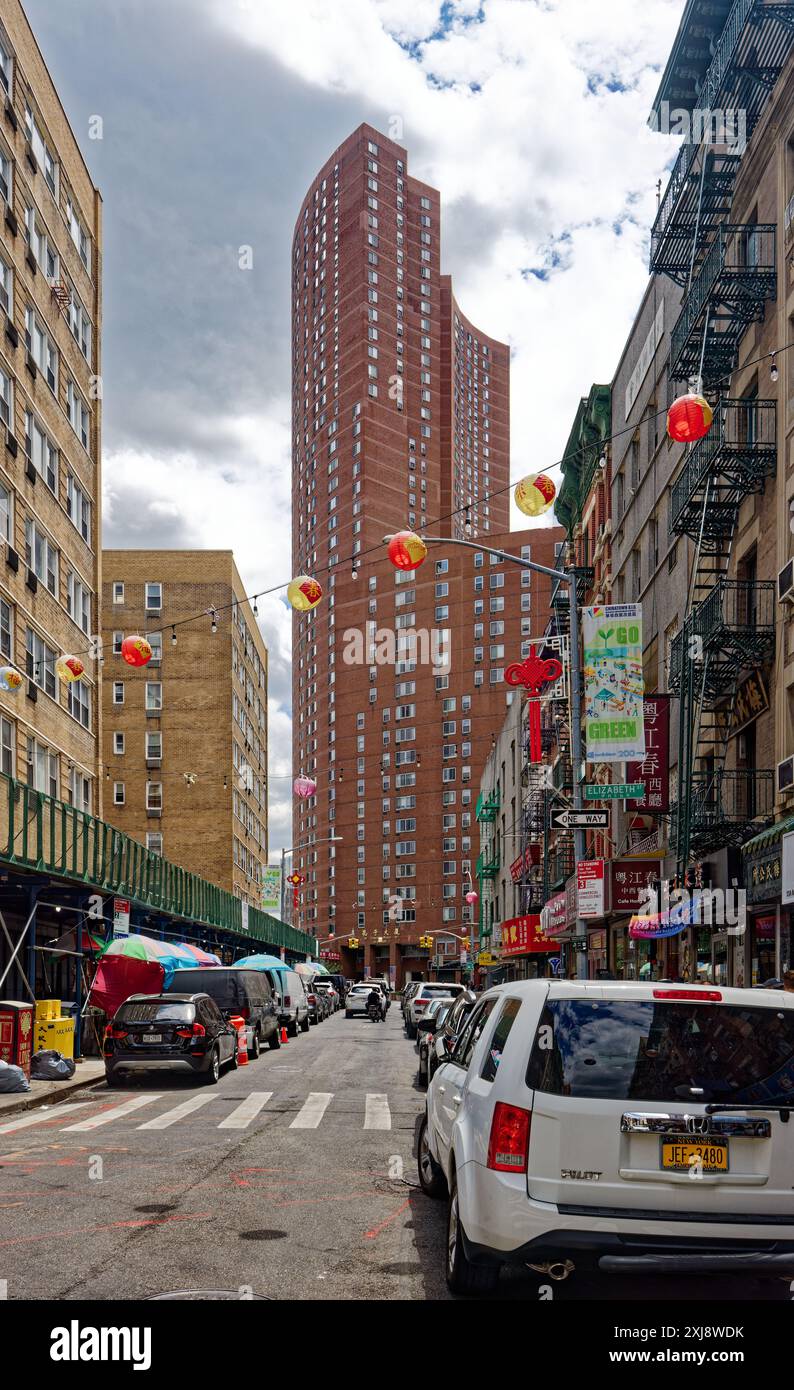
<point x="306" y="844"/>
<point x="566" y="576"/>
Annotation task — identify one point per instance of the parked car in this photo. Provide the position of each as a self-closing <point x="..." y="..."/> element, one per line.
<point x="445" y="1034"/>
<point x="419" y="1002"/>
<point x="356" y="1000"/>
<point x="292" y="1005"/>
<point x="568" y="1122"/>
<point x="174" y="1032"/>
<point x="340" y="984"/>
<point x="319" y="1004"/>
<point x="429" y="1025"/>
<point x="236" y="990"/>
<point x="407" y="995"/>
<point x="324" y="985"/>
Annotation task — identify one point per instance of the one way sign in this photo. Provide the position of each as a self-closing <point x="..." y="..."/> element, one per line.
<point x="579" y="820"/>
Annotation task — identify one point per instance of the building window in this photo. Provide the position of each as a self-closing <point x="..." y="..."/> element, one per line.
<point x="118" y="742"/>
<point x="42" y="768"/>
<point x="41" y="451"/>
<point x="41" y="556"/>
<point x="6" y="407"/>
<point x="40" y="244"/>
<point x="41" y="348"/>
<point x="80" y="324"/>
<point x="7" y="747"/>
<point x="78" y="234"/>
<point x="118" y="692"/>
<point x="155" y="640"/>
<point x="154" y="598"/>
<point x="78" y="602"/>
<point x="154" y="841"/>
<point x="79" y="415"/>
<point x="118" y="794"/>
<point x="118" y="638"/>
<point x="80" y="703"/>
<point x="118" y="591"/>
<point x="154" y="746"/>
<point x="78" y="507"/>
<point x="6" y="632"/>
<point x="154" y="695"/>
<point x="154" y="796"/>
<point x="44" y="155"/>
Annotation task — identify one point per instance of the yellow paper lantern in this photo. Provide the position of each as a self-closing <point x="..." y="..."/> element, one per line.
<point x="304" y="593"/>
<point x="69" y="668"/>
<point x="534" y="495"/>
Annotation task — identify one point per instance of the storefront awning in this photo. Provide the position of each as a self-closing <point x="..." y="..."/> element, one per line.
<point x="768" y="837"/>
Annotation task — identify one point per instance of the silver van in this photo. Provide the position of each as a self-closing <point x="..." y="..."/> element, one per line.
<point x="291" y="1002"/>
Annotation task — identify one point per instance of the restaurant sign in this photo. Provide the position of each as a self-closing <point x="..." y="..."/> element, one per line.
<point x="524" y="862"/>
<point x="554" y="917"/>
<point x="654" y="769"/>
<point x="523" y="935"/>
<point x="763" y="873"/>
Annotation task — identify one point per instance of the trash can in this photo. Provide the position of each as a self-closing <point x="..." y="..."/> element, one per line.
<point x="16" y="1033"/>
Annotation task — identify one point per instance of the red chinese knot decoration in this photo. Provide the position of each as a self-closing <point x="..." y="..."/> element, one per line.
<point x="533" y="673"/>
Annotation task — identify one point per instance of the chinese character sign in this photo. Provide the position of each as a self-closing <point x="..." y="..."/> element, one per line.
<point x="613" y="682"/>
<point x="271" y="888"/>
<point x="654" y="770"/>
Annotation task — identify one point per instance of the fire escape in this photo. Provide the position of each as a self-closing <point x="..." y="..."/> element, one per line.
<point x="729" y="274"/>
<point x="488" y="862"/>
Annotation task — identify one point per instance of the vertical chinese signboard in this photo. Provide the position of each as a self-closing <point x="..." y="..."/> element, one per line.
<point x="613" y="682"/>
<point x="654" y="769"/>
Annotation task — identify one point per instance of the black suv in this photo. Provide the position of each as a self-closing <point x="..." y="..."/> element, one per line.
<point x="183" y="1032"/>
<point x="239" y="991"/>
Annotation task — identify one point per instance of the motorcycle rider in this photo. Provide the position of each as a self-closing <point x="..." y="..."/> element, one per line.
<point x="375" y="1000"/>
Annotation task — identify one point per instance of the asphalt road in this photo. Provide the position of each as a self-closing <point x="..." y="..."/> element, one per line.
<point x="295" y="1177"/>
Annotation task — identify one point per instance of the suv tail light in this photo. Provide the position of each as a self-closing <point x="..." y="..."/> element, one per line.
<point x="508" y="1146"/>
<point x="312" y="998"/>
<point x="112" y="1032"/>
<point x="694" y="994"/>
<point x="245" y="1013"/>
<point x="197" y="1031"/>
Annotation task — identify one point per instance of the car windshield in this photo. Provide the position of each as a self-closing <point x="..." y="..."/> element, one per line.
<point x="156" y="1010"/>
<point x="643" y="1050"/>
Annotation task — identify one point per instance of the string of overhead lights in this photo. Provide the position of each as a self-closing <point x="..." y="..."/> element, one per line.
<point x="70" y="667"/>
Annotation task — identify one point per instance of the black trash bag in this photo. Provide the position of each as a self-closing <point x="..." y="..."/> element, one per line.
<point x="12" y="1079"/>
<point x="49" y="1065"/>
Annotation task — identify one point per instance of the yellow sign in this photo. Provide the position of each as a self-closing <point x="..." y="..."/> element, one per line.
<point x="487" y="958"/>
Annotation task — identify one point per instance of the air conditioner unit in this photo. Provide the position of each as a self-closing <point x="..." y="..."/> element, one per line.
<point x="785" y="584"/>
<point x="784" y="779"/>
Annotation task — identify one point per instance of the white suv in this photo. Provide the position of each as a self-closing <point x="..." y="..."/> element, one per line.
<point x="625" y="1127"/>
<point x="419" y="1001"/>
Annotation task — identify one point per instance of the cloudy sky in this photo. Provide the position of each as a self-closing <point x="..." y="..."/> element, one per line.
<point x="528" y="115"/>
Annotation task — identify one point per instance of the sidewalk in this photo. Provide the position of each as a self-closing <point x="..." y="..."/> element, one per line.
<point x="90" y="1072"/>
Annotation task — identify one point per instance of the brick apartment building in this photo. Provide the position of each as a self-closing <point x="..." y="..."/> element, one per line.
<point x="400" y="418"/>
<point x="198" y="711"/>
<point x="50" y="428"/>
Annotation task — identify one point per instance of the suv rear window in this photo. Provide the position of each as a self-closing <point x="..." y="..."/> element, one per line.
<point x="162" y="1012"/>
<point x="643" y="1050"/>
<point x="221" y="985"/>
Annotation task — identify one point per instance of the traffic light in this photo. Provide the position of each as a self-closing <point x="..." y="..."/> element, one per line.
<point x="353" y="943"/>
<point x="466" y="943"/>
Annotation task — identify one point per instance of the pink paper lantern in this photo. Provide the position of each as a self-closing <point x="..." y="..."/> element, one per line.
<point x="472" y="897"/>
<point x="304" y="787"/>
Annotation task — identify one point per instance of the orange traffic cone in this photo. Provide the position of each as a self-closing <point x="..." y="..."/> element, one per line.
<point x="284" y="1035"/>
<point x="242" y="1042"/>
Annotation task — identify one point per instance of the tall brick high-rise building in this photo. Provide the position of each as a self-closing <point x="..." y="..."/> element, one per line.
<point x="400" y="418"/>
<point x="50" y="429"/>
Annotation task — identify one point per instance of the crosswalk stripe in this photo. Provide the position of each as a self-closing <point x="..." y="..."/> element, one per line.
<point x="170" y="1117"/>
<point x="246" y="1111"/>
<point x="117" y="1113"/>
<point x="377" y="1114"/>
<point x="38" y="1117"/>
<point x="312" y="1110"/>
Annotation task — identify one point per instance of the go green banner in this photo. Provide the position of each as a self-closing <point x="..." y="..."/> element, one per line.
<point x="613" y="682"/>
<point x="271" y="889"/>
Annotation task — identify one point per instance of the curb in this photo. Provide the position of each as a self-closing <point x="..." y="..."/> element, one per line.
<point x="29" y="1101"/>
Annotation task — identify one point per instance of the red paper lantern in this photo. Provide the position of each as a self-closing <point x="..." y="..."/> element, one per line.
<point x="136" y="651"/>
<point x="689" y="418"/>
<point x="407" y="550"/>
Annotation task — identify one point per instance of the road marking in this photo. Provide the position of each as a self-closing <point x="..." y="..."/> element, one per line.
<point x="377" y="1114"/>
<point x="243" y="1114"/>
<point x="116" y="1113"/>
<point x="38" y="1118"/>
<point x="312" y="1110"/>
<point x="170" y="1117"/>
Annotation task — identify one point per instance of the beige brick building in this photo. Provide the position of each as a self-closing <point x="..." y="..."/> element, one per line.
<point x="50" y="428"/>
<point x="198" y="711"/>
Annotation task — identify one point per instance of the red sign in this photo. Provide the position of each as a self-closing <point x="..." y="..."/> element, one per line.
<point x="16" y="1034"/>
<point x="654" y="769"/>
<point x="630" y="878"/>
<point x="519" y="866"/>
<point x="522" y="935"/>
